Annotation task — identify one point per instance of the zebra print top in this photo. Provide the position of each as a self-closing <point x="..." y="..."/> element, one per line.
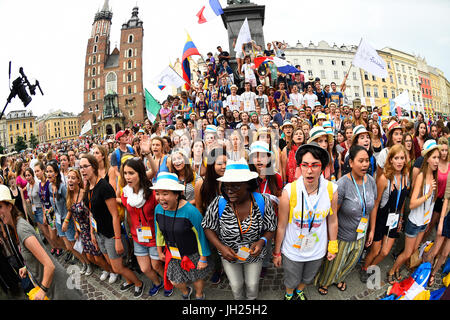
<point x="227" y="228"/>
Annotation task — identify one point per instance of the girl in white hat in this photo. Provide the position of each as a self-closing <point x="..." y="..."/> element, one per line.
<point x="178" y="228"/>
<point x="239" y="224"/>
<point x="422" y="203"/>
<point x="394" y="136"/>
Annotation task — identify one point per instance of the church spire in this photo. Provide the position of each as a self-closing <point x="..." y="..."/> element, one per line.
<point x="105" y="13"/>
<point x="106" y="6"/>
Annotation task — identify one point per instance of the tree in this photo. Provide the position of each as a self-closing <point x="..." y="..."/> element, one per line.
<point x="33" y="141"/>
<point x="20" y="144"/>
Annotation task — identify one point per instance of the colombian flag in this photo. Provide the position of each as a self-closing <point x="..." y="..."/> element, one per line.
<point x="189" y="50"/>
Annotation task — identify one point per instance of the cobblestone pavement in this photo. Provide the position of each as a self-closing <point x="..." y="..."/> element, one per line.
<point x="271" y="287"/>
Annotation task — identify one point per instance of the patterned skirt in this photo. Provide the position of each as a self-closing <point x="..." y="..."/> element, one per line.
<point x="337" y="270"/>
<point x="176" y="274"/>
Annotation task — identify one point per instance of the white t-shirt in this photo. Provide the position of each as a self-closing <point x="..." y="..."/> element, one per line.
<point x="421" y="215"/>
<point x="248" y="71"/>
<point x="310" y="99"/>
<point x="293" y="229"/>
<point x="381" y="157"/>
<point x="297" y="101"/>
<point x="248" y="98"/>
<point x="233" y="102"/>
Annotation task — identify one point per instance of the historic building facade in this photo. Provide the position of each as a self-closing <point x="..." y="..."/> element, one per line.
<point x="58" y="126"/>
<point x="20" y="123"/>
<point x="113" y="80"/>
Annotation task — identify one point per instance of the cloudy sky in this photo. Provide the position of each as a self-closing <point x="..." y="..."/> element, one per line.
<point x="48" y="38"/>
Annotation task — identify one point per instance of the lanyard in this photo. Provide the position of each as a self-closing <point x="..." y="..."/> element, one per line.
<point x="173" y="224"/>
<point x="143" y="215"/>
<point x="362" y="200"/>
<point x="310" y="221"/>
<point x="265" y="187"/>
<point x="398" y="192"/>
<point x="241" y="233"/>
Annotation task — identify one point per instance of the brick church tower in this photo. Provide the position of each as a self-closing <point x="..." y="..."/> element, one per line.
<point x="113" y="81"/>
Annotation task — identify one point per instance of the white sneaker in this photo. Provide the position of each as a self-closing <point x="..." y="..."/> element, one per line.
<point x="89" y="270"/>
<point x="104" y="275"/>
<point x="113" y="277"/>
<point x="83" y="269"/>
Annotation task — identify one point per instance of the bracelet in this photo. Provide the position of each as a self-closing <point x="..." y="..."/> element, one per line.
<point x="276" y="254"/>
<point x="265" y="240"/>
<point x="66" y="220"/>
<point x="202" y="261"/>
<point x="117" y="238"/>
<point x="43" y="288"/>
<point x="333" y="246"/>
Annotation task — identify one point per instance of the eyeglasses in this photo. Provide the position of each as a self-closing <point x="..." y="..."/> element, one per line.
<point x="233" y="188"/>
<point x="314" y="166"/>
<point x="85" y="167"/>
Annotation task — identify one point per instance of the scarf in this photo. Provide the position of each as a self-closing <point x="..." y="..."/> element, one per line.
<point x="134" y="200"/>
<point x="292" y="164"/>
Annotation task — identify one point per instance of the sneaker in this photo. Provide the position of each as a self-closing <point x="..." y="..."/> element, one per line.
<point x="155" y="289"/>
<point x="59" y="252"/>
<point x="89" y="270"/>
<point x="263" y="273"/>
<point x="288" y="297"/>
<point x="363" y="275"/>
<point x="113" y="277"/>
<point x="83" y="269"/>
<point x="69" y="256"/>
<point x="201" y="298"/>
<point x="53" y="251"/>
<point x="215" y="279"/>
<point x="300" y="296"/>
<point x="125" y="286"/>
<point x="138" y="291"/>
<point x="104" y="275"/>
<point x="168" y="293"/>
<point x="187" y="296"/>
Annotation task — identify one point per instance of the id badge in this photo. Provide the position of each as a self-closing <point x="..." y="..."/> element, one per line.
<point x="215" y="113"/>
<point x="175" y="253"/>
<point x="202" y="114"/>
<point x="144" y="234"/>
<point x="306" y="243"/>
<point x="94" y="224"/>
<point x="243" y="253"/>
<point x="361" y="230"/>
<point x="392" y="220"/>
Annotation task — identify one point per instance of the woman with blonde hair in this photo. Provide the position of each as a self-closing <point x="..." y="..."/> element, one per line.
<point x="377" y="139"/>
<point x="387" y="221"/>
<point x="357" y="118"/>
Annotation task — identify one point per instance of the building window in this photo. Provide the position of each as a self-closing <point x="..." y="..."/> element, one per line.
<point x="385" y="93"/>
<point x="383" y="79"/>
<point x="129" y="90"/>
<point x="129" y="64"/>
<point x="336" y="75"/>
<point x="94" y="71"/>
<point x="389" y="65"/>
<point x="93" y="96"/>
<point x="374" y="78"/>
<point x="321" y="62"/>
<point x="392" y="93"/>
<point x="368" y="92"/>
<point x="333" y="62"/>
<point x="308" y="62"/>
<point x="11" y="139"/>
<point x="130" y="39"/>
<point x="129" y="79"/>
<point x="399" y="79"/>
<point x="343" y="63"/>
<point x="96" y="39"/>
<point x="17" y="126"/>
<point x="310" y="73"/>
<point x="366" y="76"/>
<point x="355" y="76"/>
<point x="130" y="53"/>
<point x="322" y="74"/>
<point x="24" y="125"/>
<point x="93" y="84"/>
<point x="94" y="60"/>
<point x="391" y="78"/>
<point x="95" y="49"/>
<point x="25" y="136"/>
<point x="375" y="92"/>
<point x="403" y="68"/>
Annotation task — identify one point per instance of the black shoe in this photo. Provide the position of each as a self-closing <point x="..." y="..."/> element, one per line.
<point x="125" y="286"/>
<point x="263" y="273"/>
<point x="299" y="296"/>
<point x="215" y="279"/>
<point x="69" y="256"/>
<point x="363" y="275"/>
<point x="138" y="291"/>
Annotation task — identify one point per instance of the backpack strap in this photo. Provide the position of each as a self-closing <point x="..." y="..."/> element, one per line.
<point x="222" y="204"/>
<point x="372" y="164"/>
<point x="118" y="157"/>
<point x="292" y="200"/>
<point x="260" y="202"/>
<point x="330" y="194"/>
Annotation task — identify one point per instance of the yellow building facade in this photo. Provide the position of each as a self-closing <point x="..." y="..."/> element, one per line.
<point x="58" y="126"/>
<point x="20" y="123"/>
<point x="378" y="91"/>
<point x="436" y="103"/>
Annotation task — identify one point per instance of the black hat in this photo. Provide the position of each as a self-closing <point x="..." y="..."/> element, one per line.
<point x="303" y="149"/>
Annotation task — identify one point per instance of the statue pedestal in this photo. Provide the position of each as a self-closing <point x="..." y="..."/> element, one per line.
<point x="233" y="18"/>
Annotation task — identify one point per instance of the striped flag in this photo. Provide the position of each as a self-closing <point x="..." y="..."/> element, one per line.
<point x="151" y="106"/>
<point x="210" y="11"/>
<point x="189" y="50"/>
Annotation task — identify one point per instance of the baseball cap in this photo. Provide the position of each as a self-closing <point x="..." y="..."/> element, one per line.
<point x="121" y="133"/>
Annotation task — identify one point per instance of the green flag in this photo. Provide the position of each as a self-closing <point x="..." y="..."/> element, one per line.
<point x="151" y="106"/>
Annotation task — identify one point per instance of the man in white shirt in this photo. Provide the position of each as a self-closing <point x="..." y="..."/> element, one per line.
<point x="248" y="99"/>
<point x="248" y="69"/>
<point x="310" y="98"/>
<point x="296" y="98"/>
<point x="233" y="101"/>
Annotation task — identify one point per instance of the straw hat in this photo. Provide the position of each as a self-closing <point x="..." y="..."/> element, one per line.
<point x="237" y="171"/>
<point x="316" y="132"/>
<point x="286" y="123"/>
<point x="360" y="129"/>
<point x="321" y="115"/>
<point x="430" y="145"/>
<point x="259" y="146"/>
<point x="5" y="195"/>
<point x="167" y="181"/>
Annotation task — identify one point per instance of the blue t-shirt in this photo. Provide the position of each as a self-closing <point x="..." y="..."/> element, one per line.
<point x="335" y="97"/>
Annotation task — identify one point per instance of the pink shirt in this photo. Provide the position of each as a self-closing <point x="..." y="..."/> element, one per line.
<point x="21" y="182"/>
<point x="442" y="182"/>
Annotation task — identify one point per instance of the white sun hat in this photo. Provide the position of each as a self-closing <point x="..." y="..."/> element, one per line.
<point x="5" y="194"/>
<point x="259" y="146"/>
<point x="430" y="145"/>
<point x="237" y="171"/>
<point x="167" y="181"/>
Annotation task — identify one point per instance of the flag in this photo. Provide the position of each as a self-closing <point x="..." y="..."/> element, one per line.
<point x="402" y="102"/>
<point x="208" y="12"/>
<point x="368" y="59"/>
<point x="151" y="106"/>
<point x="86" y="128"/>
<point x="169" y="77"/>
<point x="189" y="50"/>
<point x="281" y="64"/>
<point x="243" y="37"/>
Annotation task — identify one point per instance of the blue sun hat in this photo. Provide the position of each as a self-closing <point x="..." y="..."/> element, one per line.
<point x="429" y="146"/>
<point x="237" y="171"/>
<point x="167" y="181"/>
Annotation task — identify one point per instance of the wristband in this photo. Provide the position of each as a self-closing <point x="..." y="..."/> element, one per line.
<point x="333" y="246"/>
<point x="202" y="261"/>
<point x="276" y="254"/>
<point x="117" y="238"/>
<point x="265" y="240"/>
<point x="66" y="220"/>
<point x="43" y="288"/>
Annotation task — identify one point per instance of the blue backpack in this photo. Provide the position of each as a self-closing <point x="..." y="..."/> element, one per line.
<point x="258" y="198"/>
<point x="117" y="152"/>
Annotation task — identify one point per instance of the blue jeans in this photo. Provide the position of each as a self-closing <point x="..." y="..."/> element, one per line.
<point x="240" y="273"/>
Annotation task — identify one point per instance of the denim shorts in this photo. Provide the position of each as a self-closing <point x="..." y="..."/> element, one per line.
<point x="143" y="251"/>
<point x="411" y="230"/>
<point x="69" y="234"/>
<point x="39" y="215"/>
<point x="108" y="246"/>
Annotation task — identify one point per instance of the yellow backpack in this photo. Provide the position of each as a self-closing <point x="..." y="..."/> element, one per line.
<point x="293" y="198"/>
